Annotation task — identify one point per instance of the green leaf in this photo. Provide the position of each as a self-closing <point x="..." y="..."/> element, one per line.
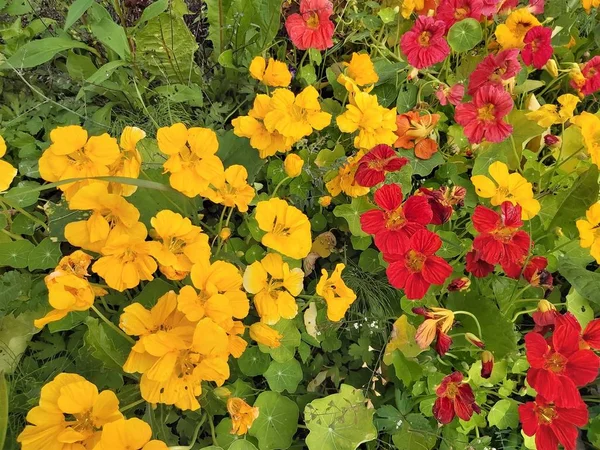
<point x="237" y="150"/>
<point x="452" y="246"/>
<point x="153" y="10"/>
<point x="242" y="444"/>
<point x="339" y="421"/>
<point x="15" y="333"/>
<point x="416" y="433"/>
<point x="386" y="94"/>
<point x="23" y="194"/>
<point x="104" y="72"/>
<point x="277" y="422"/>
<point x="152" y="292"/>
<point x="407" y="369"/>
<point x="3" y="409"/>
<point x="34" y="53"/>
<point x="253" y="362"/>
<point x="289" y="342"/>
<point x="284" y="376"/>
<point x="109" y="33"/>
<point x="352" y="212"/>
<point x="106" y="344"/>
<point x="407" y="99"/>
<point x="464" y="35"/>
<point x="369" y="261"/>
<point x="59" y="215"/>
<point x="583" y="194"/>
<point x="80" y="67"/>
<point x="580" y="308"/>
<point x="586" y="283"/>
<point x="181" y="93"/>
<point x="69" y="322"/>
<point x="45" y="255"/>
<point x="15" y="254"/>
<point x="594" y="431"/>
<point x="76" y="10"/>
<point x="504" y="414"/>
<point x="422" y="167"/>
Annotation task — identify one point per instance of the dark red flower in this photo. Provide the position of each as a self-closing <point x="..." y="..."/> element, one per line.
<point x="477" y="266"/>
<point x="551" y="140"/>
<point x="544" y="317"/>
<point x="454" y="398"/>
<point x="395" y="222"/>
<point x="538" y="47"/>
<point x="459" y="284"/>
<point x="311" y="28"/>
<point x="487" y="364"/>
<point x="534" y="272"/>
<point x="590" y="337"/>
<point x="425" y="45"/>
<point x="494" y="70"/>
<point x="416" y="267"/>
<point x="499" y="240"/>
<point x="552" y="425"/>
<point x="373" y="166"/>
<point x="442" y="200"/>
<point x="452" y="11"/>
<point x="558" y="369"/>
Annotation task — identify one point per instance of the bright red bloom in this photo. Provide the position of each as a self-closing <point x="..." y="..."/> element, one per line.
<point x="311" y="28"/>
<point x="558" y="369"/>
<point x="499" y="240"/>
<point x="590" y="337"/>
<point x="494" y="70"/>
<point x="416" y="267"/>
<point x="483" y="117"/>
<point x="452" y="11"/>
<point x="489" y="7"/>
<point x="442" y="201"/>
<point x="425" y="45"/>
<point x="452" y="95"/>
<point x="551" y="424"/>
<point x="477" y="266"/>
<point x="454" y="398"/>
<point x="544" y="317"/>
<point x="534" y="272"/>
<point x="591" y="73"/>
<point x="395" y="222"/>
<point x="373" y="166"/>
<point x="536" y="6"/>
<point x="487" y="364"/>
<point x="538" y="47"/>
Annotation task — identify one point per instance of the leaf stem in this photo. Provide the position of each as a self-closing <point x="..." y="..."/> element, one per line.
<point x="112" y="325"/>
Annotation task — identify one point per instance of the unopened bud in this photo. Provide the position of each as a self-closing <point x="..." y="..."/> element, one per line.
<point x="551" y="68"/>
<point x="474" y="340"/>
<point x="222" y="393"/>
<point x="551" y="140"/>
<point x="325" y="201"/>
<point x="487" y="364"/>
<point x="459" y="284"/>
<point x="225" y="233"/>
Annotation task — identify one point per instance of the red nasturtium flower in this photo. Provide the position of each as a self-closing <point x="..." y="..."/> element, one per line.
<point x="495" y="70"/>
<point x="373" y="166"/>
<point x="483" y="117"/>
<point x="416" y="267"/>
<point x="551" y="424"/>
<point x="544" y="317"/>
<point x="413" y="131"/>
<point x="558" y="368"/>
<point x="459" y="284"/>
<point x="311" y="28"/>
<point x="452" y="95"/>
<point x="538" y="47"/>
<point x="452" y="11"/>
<point x="438" y="321"/>
<point x="442" y="201"/>
<point x="454" y="398"/>
<point x="477" y="266"/>
<point x="395" y="222"/>
<point x="534" y="271"/>
<point x="589" y="80"/>
<point x="499" y="240"/>
<point x="425" y="45"/>
<point x="589" y="337"/>
<point x="487" y="364"/>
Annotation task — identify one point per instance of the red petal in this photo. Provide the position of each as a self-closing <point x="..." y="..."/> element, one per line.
<point x="582" y="367"/>
<point x="443" y="410"/>
<point x="591" y="334"/>
<point x="545" y="439"/>
<point x="485" y="219"/>
<point x="577" y="416"/>
<point x="417" y="209"/>
<point x="511" y="215"/>
<point x="489" y="248"/>
<point x="389" y="197"/>
<point x="436" y="270"/>
<point x="565" y="339"/>
<point x="368" y="177"/>
<point x="415" y="287"/>
<point x="426" y="242"/>
<point x="565" y="432"/>
<point x="528" y="418"/>
<point x="395" y="164"/>
<point x="393" y="242"/>
<point x="397" y="274"/>
<point x="536" y="348"/>
<point x="443" y="343"/>
<point x="373" y="221"/>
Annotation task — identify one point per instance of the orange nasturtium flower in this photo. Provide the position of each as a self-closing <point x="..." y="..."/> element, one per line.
<point x="344" y="181"/>
<point x="128" y="434"/>
<point x="337" y="295"/>
<point x="7" y="171"/>
<point x="234" y="191"/>
<point x="438" y="322"/>
<point x="415" y="130"/>
<point x="242" y="415"/>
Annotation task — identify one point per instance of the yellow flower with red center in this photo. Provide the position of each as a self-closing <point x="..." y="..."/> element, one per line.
<point x="275" y="287"/>
<point x="275" y="73"/>
<point x="183" y="244"/>
<point x="511" y="33"/>
<point x="344" y="181"/>
<point x="374" y="123"/>
<point x="337" y="295"/>
<point x="192" y="163"/>
<point x="7" y="171"/>
<point x="112" y="215"/>
<point x="129" y="163"/>
<point x="590" y="130"/>
<point x="589" y="231"/>
<point x="242" y="415"/>
<point x="130" y="434"/>
<point x="234" y="191"/>
<point x="287" y="229"/>
<point x="73" y="155"/>
<point x="293" y="165"/>
<point x="512" y="187"/>
<point x="265" y="335"/>
<point x="69" y="415"/>
<point x="548" y="115"/>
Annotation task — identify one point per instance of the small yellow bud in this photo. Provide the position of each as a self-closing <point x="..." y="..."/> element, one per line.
<point x="293" y="165"/>
<point x="551" y="68"/>
<point x="325" y="201"/>
<point x="222" y="392"/>
<point x="225" y="233"/>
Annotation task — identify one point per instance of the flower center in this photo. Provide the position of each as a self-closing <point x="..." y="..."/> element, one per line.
<point x="312" y="21"/>
<point x="176" y="245"/>
<point x="395" y="219"/>
<point x="555" y="363"/>
<point x="521" y="28"/>
<point x="280" y="229"/>
<point x="545" y="414"/>
<point x="504" y="234"/>
<point x="415" y="261"/>
<point x="452" y="390"/>
<point x="424" y="38"/>
<point x="461" y="13"/>
<point x="378" y="164"/>
<point x="486" y="113"/>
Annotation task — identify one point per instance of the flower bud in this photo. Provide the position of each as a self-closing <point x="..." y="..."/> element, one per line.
<point x="551" y="68"/>
<point x="222" y="392"/>
<point x="552" y="141"/>
<point x="474" y="340"/>
<point x="459" y="284"/>
<point x="264" y="334"/>
<point x="487" y="364"/>
<point x="325" y="201"/>
<point x="225" y="233"/>
<point x="293" y="165"/>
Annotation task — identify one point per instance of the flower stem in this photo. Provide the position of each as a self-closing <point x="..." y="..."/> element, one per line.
<point x="112" y="325"/>
<point x="277" y="187"/>
<point x="467" y="313"/>
<point x="31" y="217"/>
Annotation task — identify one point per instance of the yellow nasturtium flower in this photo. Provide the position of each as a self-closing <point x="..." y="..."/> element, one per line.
<point x="548" y="115"/>
<point x="275" y="73"/>
<point x="275" y="287"/>
<point x="505" y="186"/>
<point x="287" y="228"/>
<point x="374" y="123"/>
<point x="7" y="171"/>
<point x="242" y="415"/>
<point x="337" y="295"/>
<point x="128" y="434"/>
<point x="192" y="163"/>
<point x="69" y="415"/>
<point x="511" y="33"/>
<point x="590" y="130"/>
<point x="409" y="6"/>
<point x="436" y="318"/>
<point x="344" y="180"/>
<point x="361" y="69"/>
<point x="234" y="191"/>
<point x="293" y="165"/>
<point x="129" y="163"/>
<point x="265" y="335"/>
<point x="589" y="231"/>
<point x="589" y="4"/>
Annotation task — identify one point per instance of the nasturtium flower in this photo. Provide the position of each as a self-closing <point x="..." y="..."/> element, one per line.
<point x="589" y="4"/>
<point x="182" y="244"/>
<point x="376" y="163"/>
<point x="495" y="70"/>
<point x="450" y="94"/>
<point x="590" y="130"/>
<point x="361" y="69"/>
<point x="287" y="229"/>
<point x="548" y="115"/>
<point x="409" y="6"/>
<point x="415" y="131"/>
<point x="192" y="163"/>
<point x="296" y="117"/>
<point x="111" y="215"/>
<point x="452" y="11"/>
<point x="69" y="414"/>
<point x="438" y="322"/>
<point x="424" y="44"/>
<point x="127" y="259"/>
<point x="588" y="337"/>
<point x="337" y="295"/>
<point x="7" y="171"/>
<point x="538" y="47"/>
<point x="374" y="123"/>
<point x="533" y="270"/>
<point x="477" y="266"/>
<point x="275" y="287"/>
<point x="73" y="155"/>
<point x="544" y="316"/>
<point x="275" y="73"/>
<point x="345" y="180"/>
<point x="130" y="161"/>
<point x="454" y="398"/>
<point x="253" y="127"/>
<point x="128" y="434"/>
<point x="265" y="335"/>
<point x="487" y="364"/>
<point x="292" y="165"/>
<point x="312" y="26"/>
<point x="234" y="190"/>
<point x="242" y="415"/>
<point x="325" y="201"/>
<point x="505" y="186"/>
<point x="586" y="79"/>
<point x="589" y="230"/>
<point x="511" y="33"/>
<point x="442" y="201"/>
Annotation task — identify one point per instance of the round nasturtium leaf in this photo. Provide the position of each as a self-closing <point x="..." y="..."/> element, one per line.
<point x="464" y="35"/>
<point x="277" y="421"/>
